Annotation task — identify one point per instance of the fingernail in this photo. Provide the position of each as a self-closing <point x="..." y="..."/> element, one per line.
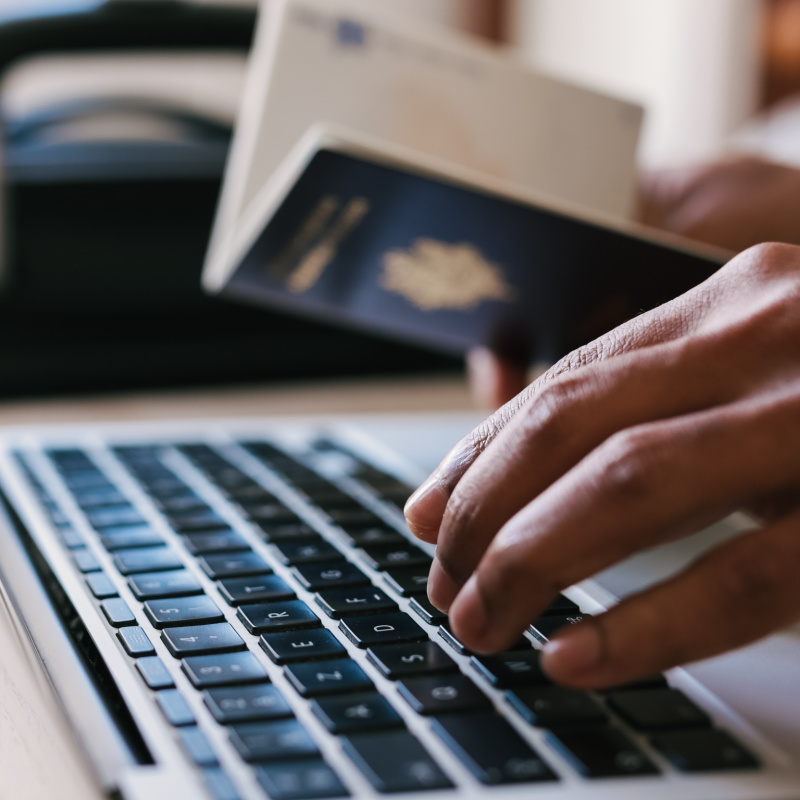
<point x="573" y="653"/>
<point x="442" y="589"/>
<point x="425" y="508"/>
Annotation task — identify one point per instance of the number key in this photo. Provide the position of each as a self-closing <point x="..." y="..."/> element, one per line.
<point x="182" y="610"/>
<point x="224" y="669"/>
<point x="195" y="640"/>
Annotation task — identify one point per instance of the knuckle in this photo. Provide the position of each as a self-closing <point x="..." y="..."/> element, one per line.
<point x="605" y="347"/>
<point x="626" y="465"/>
<point x="548" y="416"/>
<point x="770" y="257"/>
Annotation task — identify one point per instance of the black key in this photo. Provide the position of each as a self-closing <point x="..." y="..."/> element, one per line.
<point x="381" y="629"/>
<point x="85" y="560"/>
<point x="239" y="565"/>
<point x="248" y="492"/>
<point x="657" y="709"/>
<point x="408" y="581"/>
<point x="545" y="627"/>
<point x="295" y="646"/>
<point x="115" y="516"/>
<point x="373" y="535"/>
<point x="353" y="713"/>
<point x="175" y="708"/>
<point x="99" y="498"/>
<point x="266" y="588"/>
<point x="345" y="517"/>
<point x="412" y="659"/>
<point x="59" y="518"/>
<point x="284" y="531"/>
<point x="70" y="459"/>
<point x="199" y="639"/>
<point x="328" y="677"/>
<point x="209" y="542"/>
<point x="134" y="536"/>
<point x="445" y="694"/>
<point x="562" y="607"/>
<point x="182" y="611"/>
<point x="600" y="752"/>
<point x="117" y="612"/>
<point x="338" y="603"/>
<point x="100" y="585"/>
<point x="174" y="583"/>
<point x="147" y="559"/>
<point x="309" y="551"/>
<point x="155" y="674"/>
<point x="395" y="761"/>
<point x="330" y="575"/>
<point x="247" y="704"/>
<point x="224" y="669"/>
<point x="427" y="611"/>
<point x="90" y="479"/>
<point x="304" y="780"/>
<point x="329" y="497"/>
<point x="556" y="707"/>
<point x="273" y="741"/>
<point x="506" y="670"/>
<point x="287" y="615"/>
<point x="269" y="513"/>
<point x="164" y="486"/>
<point x="135" y="641"/>
<point x="491" y="749"/>
<point x="703" y="751"/>
<point x="197" y="747"/>
<point x="219" y="785"/>
<point x="70" y="538"/>
<point x="196" y="520"/>
<point x="387" y="556"/>
<point x="180" y="501"/>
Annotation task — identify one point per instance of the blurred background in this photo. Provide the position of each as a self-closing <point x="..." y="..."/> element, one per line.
<point x="116" y="119"/>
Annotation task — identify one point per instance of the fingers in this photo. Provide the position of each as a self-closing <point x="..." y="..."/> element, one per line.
<point x="637" y="489"/>
<point x="426" y="506"/>
<point x="566" y="421"/>
<point x="735" y="595"/>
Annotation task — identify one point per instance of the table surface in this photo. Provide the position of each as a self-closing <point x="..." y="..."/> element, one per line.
<point x="38" y="757"/>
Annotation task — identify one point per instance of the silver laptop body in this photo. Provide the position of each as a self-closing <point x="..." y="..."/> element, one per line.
<point x="108" y="530"/>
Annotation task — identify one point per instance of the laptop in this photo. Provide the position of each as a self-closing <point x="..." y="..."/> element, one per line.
<point x="235" y="609"/>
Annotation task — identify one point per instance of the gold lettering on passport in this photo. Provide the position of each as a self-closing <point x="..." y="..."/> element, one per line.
<point x="303" y="239"/>
<point x="310" y="269"/>
<point x="436" y="276"/>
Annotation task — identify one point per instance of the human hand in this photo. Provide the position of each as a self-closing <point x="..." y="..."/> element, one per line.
<point x="734" y="203"/>
<point x="653" y="431"/>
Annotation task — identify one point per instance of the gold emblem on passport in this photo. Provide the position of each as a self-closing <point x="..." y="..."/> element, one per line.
<point x="436" y="276"/>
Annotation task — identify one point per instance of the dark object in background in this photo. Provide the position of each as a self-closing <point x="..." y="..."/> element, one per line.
<point x="104" y="242"/>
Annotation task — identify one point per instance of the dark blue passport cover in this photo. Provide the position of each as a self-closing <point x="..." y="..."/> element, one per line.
<point x="420" y="259"/>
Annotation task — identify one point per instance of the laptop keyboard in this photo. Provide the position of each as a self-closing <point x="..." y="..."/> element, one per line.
<point x="227" y="565"/>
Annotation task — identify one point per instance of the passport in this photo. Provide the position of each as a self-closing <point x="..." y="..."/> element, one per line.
<point x="366" y="243"/>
